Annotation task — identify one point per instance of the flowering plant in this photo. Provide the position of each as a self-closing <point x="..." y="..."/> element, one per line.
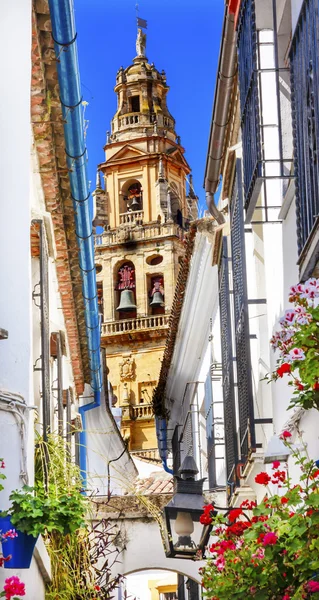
<point x="271" y="550"/>
<point x="13" y="588"/>
<point x="298" y="344"/>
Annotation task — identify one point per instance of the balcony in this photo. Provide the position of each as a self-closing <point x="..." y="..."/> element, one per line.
<point x="139" y="328"/>
<point x="142" y="411"/>
<point x="128" y="218"/>
<point x="150" y="231"/>
<point x="148" y="455"/>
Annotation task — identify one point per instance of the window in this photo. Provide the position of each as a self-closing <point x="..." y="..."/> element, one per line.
<point x="249" y="96"/>
<point x="131" y="199"/>
<point x="265" y="122"/>
<point x="305" y="108"/>
<point x="135" y="104"/>
<point x="231" y="446"/>
<point x="241" y="320"/>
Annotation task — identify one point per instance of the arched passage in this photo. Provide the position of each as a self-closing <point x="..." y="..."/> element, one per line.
<point x="144" y="551"/>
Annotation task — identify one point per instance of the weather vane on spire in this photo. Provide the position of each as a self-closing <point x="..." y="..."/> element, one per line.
<point x="141" y="36"/>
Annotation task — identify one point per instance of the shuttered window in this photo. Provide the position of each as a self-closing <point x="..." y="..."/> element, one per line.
<point x="241" y="320"/>
<point x="231" y="448"/>
<point x="304" y="57"/>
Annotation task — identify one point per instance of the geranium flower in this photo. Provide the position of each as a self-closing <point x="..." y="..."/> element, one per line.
<point x="13" y="587"/>
<point x="313" y="587"/>
<point x="234" y="514"/>
<point x="297" y="354"/>
<point x="285" y="434"/>
<point x="288" y="318"/>
<point x="270" y="539"/>
<point x="276" y="464"/>
<point x="284" y="500"/>
<point x="262" y="478"/>
<point x="284" y="368"/>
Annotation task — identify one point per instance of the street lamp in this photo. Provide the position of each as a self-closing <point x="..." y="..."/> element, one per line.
<point x="185" y="536"/>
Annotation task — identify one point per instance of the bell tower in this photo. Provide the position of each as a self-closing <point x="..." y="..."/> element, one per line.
<point x="144" y="210"/>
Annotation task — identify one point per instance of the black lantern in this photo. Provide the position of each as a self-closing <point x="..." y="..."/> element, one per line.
<point x="185" y="536"/>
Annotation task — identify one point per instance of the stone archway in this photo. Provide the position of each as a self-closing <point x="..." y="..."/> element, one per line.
<point x="144" y="550"/>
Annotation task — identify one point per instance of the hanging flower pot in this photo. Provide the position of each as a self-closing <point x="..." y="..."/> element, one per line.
<point x="20" y="548"/>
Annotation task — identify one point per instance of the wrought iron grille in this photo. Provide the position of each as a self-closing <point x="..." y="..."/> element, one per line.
<point x="305" y="110"/>
<point x="231" y="447"/>
<point x="241" y="320"/>
<point x="249" y="97"/>
<point x="45" y="331"/>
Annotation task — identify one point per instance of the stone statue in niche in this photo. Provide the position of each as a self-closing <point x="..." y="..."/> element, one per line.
<point x="140" y="43"/>
<point x="127" y="369"/>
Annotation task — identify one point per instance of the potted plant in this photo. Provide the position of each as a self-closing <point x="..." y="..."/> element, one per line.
<point x="35" y="511"/>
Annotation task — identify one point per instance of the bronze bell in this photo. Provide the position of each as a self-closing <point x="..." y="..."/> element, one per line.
<point x="127" y="301"/>
<point x="135" y="205"/>
<point x="158" y="299"/>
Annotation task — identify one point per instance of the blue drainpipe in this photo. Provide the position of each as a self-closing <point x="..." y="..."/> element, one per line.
<point x="161" y="434"/>
<point x="64" y="36"/>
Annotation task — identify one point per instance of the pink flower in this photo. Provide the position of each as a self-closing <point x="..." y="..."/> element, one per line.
<point x="313" y="587"/>
<point x="2" y="466"/>
<point x="288" y="318"/>
<point x="297" y="354"/>
<point x="13" y="586"/>
<point x="11" y="533"/>
<point x="270" y="539"/>
<point x="296" y="290"/>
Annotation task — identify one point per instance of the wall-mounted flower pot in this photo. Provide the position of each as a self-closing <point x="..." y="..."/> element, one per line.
<point x="20" y="548"/>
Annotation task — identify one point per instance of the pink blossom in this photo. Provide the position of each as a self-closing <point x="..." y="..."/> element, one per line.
<point x="313" y="587"/>
<point x="270" y="539"/>
<point x="13" y="586"/>
<point x="11" y="533"/>
<point x="260" y="553"/>
<point x="297" y="354"/>
<point x="288" y="318"/>
<point x="296" y="290"/>
<point x="302" y="316"/>
<point x="2" y="466"/>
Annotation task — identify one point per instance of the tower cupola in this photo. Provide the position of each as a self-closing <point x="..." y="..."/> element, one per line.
<point x="141" y="100"/>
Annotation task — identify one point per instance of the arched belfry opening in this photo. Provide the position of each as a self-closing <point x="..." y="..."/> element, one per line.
<point x="125" y="291"/>
<point x="131" y="197"/>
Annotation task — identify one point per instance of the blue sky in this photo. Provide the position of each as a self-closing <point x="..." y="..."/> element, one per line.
<point x="183" y="38"/>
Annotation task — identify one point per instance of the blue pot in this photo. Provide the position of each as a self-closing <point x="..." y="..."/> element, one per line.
<point x="20" y="548"/>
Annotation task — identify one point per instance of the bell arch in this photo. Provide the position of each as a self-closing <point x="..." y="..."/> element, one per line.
<point x="156" y="293"/>
<point x="131" y="196"/>
<point x="176" y="204"/>
<point x="125" y="290"/>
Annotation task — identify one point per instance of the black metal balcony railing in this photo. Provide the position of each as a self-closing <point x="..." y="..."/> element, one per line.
<point x="304" y="58"/>
<point x="249" y="96"/>
<point x="265" y="120"/>
<point x="241" y="321"/>
<point x="231" y="446"/>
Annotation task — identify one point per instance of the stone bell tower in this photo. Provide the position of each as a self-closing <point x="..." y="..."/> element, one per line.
<point x="144" y="209"/>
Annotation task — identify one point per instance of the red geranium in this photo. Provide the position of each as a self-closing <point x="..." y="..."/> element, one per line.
<point x="262" y="478"/>
<point x="284" y="368"/>
<point x="285" y="434"/>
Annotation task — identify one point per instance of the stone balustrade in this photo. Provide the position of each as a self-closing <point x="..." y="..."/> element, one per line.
<point x="137" y="233"/>
<point x="142" y="411"/>
<point x="136" y="324"/>
<point x="131" y="217"/>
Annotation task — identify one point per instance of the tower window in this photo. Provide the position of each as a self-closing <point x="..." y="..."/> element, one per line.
<point x="135" y="104"/>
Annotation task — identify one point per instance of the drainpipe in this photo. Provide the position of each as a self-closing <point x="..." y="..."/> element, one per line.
<point x="227" y="70"/>
<point x="161" y="434"/>
<point x="64" y="36"/>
